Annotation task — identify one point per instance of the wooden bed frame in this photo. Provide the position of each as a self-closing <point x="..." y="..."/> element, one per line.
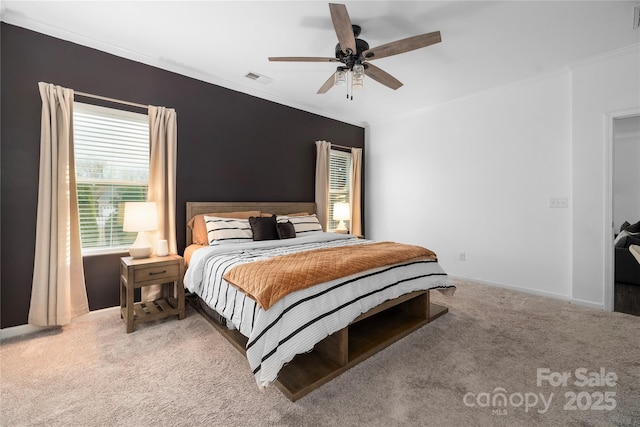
<point x="366" y="335"/>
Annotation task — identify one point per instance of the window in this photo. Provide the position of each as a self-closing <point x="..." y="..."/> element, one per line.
<point x="339" y="182"/>
<point x="112" y="167"/>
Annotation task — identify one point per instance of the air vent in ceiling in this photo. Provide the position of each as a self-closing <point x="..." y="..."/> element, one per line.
<point x="259" y="78"/>
<point x="636" y="16"/>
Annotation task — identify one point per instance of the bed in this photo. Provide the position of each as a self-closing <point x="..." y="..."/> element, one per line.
<point x="307" y="337"/>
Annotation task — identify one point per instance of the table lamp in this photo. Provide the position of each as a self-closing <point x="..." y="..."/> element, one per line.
<point x="341" y="212"/>
<point x="140" y="217"/>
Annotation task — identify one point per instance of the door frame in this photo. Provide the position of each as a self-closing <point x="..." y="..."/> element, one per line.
<point x="609" y="278"/>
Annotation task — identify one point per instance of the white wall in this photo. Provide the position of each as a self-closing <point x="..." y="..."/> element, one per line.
<point x="475" y="176"/>
<point x="599" y="87"/>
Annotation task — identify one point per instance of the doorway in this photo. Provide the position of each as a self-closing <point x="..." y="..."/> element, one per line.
<point x="622" y="293"/>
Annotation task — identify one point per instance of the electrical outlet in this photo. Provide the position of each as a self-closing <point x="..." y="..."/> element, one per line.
<point x="462" y="256"/>
<point x="558" y="202"/>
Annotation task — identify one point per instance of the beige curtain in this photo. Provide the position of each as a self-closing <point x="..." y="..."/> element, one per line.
<point x="163" y="135"/>
<point x="323" y="149"/>
<point x="58" y="291"/>
<point x="355" y="198"/>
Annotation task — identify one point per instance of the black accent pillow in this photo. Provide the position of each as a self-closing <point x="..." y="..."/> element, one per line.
<point x="263" y="228"/>
<point x="286" y="230"/>
<point x="633" y="228"/>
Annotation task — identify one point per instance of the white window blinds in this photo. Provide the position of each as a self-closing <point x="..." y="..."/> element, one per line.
<point x="112" y="167"/>
<point x="339" y="182"/>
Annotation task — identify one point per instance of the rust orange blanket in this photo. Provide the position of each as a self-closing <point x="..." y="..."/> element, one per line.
<point x="270" y="280"/>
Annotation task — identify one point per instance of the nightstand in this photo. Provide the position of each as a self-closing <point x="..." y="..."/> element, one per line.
<point x="138" y="273"/>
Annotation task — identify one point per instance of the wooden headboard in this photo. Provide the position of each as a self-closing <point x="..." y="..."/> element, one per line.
<point x="277" y="208"/>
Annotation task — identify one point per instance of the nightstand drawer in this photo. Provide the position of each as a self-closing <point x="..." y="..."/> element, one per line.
<point x="156" y="273"/>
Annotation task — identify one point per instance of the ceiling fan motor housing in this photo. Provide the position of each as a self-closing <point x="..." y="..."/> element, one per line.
<point x="353" y="58"/>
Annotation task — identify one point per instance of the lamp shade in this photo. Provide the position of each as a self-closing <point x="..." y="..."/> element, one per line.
<point x="140" y="216"/>
<point x="341" y="211"/>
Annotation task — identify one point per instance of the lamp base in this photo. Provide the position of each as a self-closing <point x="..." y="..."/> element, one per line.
<point x="140" y="252"/>
<point x="141" y="248"/>
<point x="342" y="228"/>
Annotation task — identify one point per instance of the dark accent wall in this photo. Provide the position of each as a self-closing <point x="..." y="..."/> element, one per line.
<point x="231" y="147"/>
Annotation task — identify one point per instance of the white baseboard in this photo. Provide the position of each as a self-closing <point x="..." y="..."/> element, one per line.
<point x="514" y="288"/>
<point x="583" y="303"/>
<point x="104" y="312"/>
<point x="590" y="304"/>
<point x="16" y="331"/>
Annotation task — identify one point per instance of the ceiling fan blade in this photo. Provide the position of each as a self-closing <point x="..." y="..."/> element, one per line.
<point x="342" y="25"/>
<point x="301" y="59"/>
<point x="404" y="45"/>
<point x="327" y="85"/>
<point x="381" y="76"/>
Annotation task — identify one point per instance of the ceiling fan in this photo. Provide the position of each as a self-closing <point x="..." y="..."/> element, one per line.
<point x="354" y="54"/>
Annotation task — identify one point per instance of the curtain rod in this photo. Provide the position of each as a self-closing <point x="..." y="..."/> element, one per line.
<point x="117" y="101"/>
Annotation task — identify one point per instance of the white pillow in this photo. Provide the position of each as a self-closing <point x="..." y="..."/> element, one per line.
<point x="227" y="230"/>
<point x="305" y="224"/>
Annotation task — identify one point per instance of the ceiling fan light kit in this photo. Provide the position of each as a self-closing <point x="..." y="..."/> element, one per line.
<point x="340" y="77"/>
<point x="358" y="76"/>
<point x="355" y="54"/>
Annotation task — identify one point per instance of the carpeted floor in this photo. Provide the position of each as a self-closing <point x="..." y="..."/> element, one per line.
<point x="478" y="365"/>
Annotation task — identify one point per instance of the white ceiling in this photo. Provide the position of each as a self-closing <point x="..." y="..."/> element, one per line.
<point x="484" y="45"/>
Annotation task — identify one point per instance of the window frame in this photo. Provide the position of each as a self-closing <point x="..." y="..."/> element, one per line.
<point x="133" y="185"/>
<point x="343" y="194"/>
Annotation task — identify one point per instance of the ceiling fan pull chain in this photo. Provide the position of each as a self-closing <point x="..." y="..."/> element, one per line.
<point x="351" y="85"/>
<point x="348" y="83"/>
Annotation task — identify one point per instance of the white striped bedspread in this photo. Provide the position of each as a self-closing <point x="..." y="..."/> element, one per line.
<point x="303" y="318"/>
